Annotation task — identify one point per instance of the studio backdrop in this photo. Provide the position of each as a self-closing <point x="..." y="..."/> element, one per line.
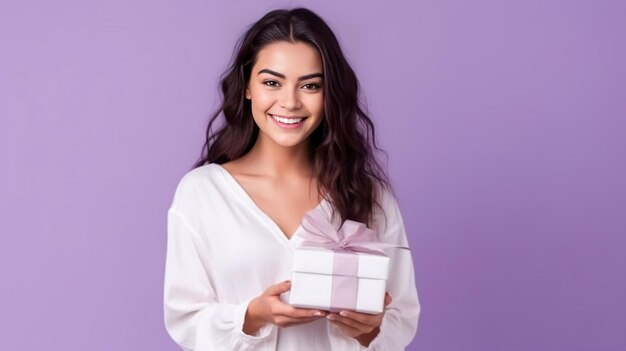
<point x="504" y="124"/>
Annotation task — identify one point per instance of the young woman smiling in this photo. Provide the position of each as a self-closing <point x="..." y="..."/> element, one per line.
<point x="294" y="139"/>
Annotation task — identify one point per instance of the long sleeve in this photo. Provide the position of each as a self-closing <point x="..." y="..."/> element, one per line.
<point x="193" y="316"/>
<point x="401" y="317"/>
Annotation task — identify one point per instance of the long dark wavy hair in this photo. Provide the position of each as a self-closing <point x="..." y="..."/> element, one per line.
<point x="342" y="147"/>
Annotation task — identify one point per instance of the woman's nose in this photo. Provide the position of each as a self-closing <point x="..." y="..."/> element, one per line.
<point x="289" y="100"/>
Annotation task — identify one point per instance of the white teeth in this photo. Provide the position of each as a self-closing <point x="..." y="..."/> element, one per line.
<point x="287" y="120"/>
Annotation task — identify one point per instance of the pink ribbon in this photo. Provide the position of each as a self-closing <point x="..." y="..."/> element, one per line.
<point x="352" y="237"/>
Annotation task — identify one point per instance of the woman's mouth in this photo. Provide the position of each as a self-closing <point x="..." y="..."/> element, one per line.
<point x="287" y="121"/>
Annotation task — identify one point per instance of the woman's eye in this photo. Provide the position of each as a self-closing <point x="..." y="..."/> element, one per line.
<point x="271" y="83"/>
<point x="311" y="86"/>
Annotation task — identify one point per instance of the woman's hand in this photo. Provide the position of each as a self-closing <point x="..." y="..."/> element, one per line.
<point x="361" y="326"/>
<point x="268" y="308"/>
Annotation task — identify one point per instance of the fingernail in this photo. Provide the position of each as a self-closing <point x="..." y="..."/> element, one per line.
<point x="331" y="317"/>
<point x="318" y="314"/>
<point x="343" y="313"/>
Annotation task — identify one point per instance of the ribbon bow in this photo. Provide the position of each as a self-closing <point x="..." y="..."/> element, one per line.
<point x="352" y="236"/>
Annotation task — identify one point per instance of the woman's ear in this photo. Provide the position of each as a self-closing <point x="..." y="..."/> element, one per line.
<point x="248" y="92"/>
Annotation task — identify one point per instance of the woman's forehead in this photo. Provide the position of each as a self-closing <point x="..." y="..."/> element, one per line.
<point x="290" y="59"/>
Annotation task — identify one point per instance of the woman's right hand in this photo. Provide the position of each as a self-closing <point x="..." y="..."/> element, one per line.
<point x="268" y="308"/>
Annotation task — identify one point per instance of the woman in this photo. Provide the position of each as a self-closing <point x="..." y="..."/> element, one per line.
<point x="294" y="139"/>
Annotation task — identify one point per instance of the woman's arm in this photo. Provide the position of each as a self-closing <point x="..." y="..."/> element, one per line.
<point x="401" y="316"/>
<point x="193" y="316"/>
<point x="399" y="321"/>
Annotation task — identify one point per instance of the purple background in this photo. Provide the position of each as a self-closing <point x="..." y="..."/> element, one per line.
<point x="505" y="122"/>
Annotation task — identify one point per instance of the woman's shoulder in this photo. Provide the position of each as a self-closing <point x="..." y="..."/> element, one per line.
<point x="386" y="212"/>
<point x="385" y="197"/>
<point x="197" y="183"/>
<point x="200" y="176"/>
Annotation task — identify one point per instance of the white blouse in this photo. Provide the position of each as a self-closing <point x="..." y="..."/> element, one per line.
<point x="223" y="250"/>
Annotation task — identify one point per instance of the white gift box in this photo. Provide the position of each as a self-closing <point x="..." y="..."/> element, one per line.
<point x="338" y="280"/>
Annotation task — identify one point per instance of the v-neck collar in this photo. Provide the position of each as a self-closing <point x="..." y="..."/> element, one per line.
<point x="243" y="195"/>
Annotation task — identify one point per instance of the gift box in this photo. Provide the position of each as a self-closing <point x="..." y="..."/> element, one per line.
<point x="338" y="280"/>
<point x="338" y="269"/>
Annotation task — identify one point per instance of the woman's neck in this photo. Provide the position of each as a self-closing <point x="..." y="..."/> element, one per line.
<point x="274" y="160"/>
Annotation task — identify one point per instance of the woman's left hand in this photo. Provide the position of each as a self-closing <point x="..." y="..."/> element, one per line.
<point x="362" y="326"/>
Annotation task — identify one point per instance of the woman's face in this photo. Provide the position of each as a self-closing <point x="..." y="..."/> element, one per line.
<point x="286" y="92"/>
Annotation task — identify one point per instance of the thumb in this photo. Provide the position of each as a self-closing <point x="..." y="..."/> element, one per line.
<point x="279" y="288"/>
<point x="387" y="299"/>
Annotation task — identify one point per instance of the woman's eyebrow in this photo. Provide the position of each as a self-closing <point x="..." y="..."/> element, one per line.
<point x="280" y="75"/>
